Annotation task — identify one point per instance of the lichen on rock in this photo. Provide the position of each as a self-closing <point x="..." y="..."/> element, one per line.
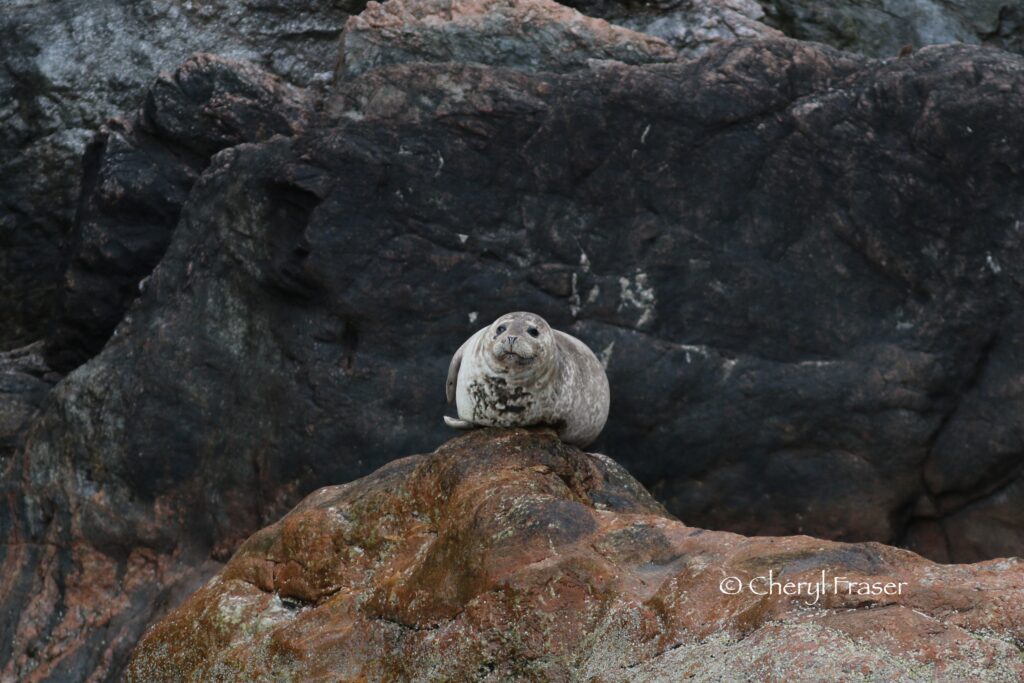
<point x="536" y="35"/>
<point x="507" y="554"/>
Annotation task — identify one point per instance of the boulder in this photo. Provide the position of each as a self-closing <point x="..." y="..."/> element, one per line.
<point x="507" y="555"/>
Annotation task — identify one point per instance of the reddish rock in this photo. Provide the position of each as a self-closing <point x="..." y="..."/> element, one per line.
<point x="507" y="554"/>
<point x="523" y="34"/>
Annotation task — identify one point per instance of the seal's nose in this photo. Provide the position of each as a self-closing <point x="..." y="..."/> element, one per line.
<point x="511" y="340"/>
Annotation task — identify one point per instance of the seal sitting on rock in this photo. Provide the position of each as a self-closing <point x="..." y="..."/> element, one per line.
<point x="519" y="372"/>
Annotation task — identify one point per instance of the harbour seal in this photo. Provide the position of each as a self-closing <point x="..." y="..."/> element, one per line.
<point x="518" y="372"/>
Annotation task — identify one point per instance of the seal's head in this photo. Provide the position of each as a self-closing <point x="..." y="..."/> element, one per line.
<point x="518" y="341"/>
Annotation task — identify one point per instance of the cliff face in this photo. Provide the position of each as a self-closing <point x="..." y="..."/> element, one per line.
<point x="801" y="267"/>
<point x="67" y="67"/>
<point x="506" y="555"/>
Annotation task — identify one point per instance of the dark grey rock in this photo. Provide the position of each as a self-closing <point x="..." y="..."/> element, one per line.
<point x="25" y="379"/>
<point x="69" y="66"/>
<point x="691" y="26"/>
<point x="882" y="28"/>
<point x="138" y="175"/>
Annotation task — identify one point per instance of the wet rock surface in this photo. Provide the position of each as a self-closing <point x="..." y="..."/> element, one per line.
<point x="509" y="555"/>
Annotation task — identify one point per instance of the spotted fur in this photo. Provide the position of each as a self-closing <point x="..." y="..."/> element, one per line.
<point x="519" y="372"/>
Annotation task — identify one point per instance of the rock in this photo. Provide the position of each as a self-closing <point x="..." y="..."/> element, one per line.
<point x="801" y="267"/>
<point x="877" y="28"/>
<point x="690" y="26"/>
<point x="507" y="555"/>
<point x="68" y="67"/>
<point x="137" y="177"/>
<point x="36" y="202"/>
<point x="526" y="34"/>
<point x="881" y="28"/>
<point x="25" y="379"/>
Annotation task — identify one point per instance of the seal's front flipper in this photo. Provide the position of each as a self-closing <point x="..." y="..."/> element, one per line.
<point x="458" y="424"/>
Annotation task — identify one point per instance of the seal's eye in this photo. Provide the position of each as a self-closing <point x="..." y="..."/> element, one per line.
<point x="533" y="332"/>
<point x="501" y="328"/>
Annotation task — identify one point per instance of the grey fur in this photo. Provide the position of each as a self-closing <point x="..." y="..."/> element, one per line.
<point x="518" y="372"/>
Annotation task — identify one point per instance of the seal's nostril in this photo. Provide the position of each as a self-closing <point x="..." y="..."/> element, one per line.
<point x="512" y="340"/>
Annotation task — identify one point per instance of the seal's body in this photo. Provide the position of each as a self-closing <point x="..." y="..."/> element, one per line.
<point x="518" y="372"/>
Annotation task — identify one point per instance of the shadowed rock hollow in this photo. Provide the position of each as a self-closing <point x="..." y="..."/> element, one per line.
<point x="506" y="554"/>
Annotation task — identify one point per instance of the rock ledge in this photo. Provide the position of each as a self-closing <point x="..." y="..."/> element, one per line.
<point x="506" y="553"/>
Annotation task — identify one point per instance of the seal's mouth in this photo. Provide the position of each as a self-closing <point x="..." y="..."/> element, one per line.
<point x="517" y="358"/>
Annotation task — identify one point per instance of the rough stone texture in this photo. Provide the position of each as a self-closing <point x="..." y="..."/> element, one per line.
<point x="25" y="379"/>
<point x="68" y="66"/>
<point x="802" y="269"/>
<point x="526" y="34"/>
<point x="878" y="28"/>
<point x="691" y="26"/>
<point x="507" y="555"/>
<point x="844" y="437"/>
<point x="883" y="27"/>
<point x="137" y="177"/>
